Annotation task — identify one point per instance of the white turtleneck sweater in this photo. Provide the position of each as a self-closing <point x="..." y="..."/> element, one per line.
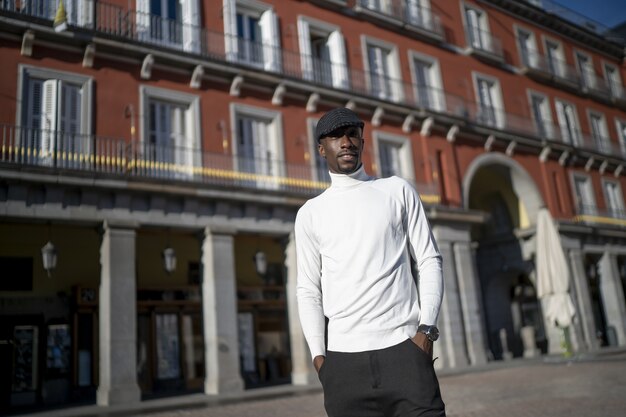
<point x="354" y="244"/>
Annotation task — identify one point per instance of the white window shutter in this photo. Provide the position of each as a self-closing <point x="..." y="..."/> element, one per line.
<point x="49" y="119"/>
<point x="306" y="55"/>
<point x="84" y="12"/>
<point x="143" y="18"/>
<point x="337" y="48"/>
<point x="191" y="26"/>
<point x="271" y="41"/>
<point x="230" y="29"/>
<point x="71" y="11"/>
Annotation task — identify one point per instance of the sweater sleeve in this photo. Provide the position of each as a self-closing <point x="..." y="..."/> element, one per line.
<point x="309" y="287"/>
<point x="426" y="254"/>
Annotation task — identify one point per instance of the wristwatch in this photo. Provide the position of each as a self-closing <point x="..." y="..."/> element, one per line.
<point x="431" y="332"/>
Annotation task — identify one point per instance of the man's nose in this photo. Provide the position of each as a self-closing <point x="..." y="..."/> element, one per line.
<point x="346" y="142"/>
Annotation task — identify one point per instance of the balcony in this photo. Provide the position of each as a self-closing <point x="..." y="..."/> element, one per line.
<point x="117" y="23"/>
<point x="591" y="214"/>
<point x="483" y="44"/>
<point x="543" y="68"/>
<point x="408" y="13"/>
<point x="595" y="86"/>
<point x="118" y="158"/>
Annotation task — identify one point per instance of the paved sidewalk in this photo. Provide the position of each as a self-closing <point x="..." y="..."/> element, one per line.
<point x="589" y="385"/>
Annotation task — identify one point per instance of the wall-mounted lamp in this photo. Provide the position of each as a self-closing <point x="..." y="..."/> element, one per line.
<point x="169" y="259"/>
<point x="260" y="263"/>
<point x="49" y="257"/>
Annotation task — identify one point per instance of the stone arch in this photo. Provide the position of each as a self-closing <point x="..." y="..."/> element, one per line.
<point x="522" y="184"/>
<point x="497" y="184"/>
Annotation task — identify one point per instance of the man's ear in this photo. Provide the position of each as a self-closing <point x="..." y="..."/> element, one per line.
<point x="321" y="150"/>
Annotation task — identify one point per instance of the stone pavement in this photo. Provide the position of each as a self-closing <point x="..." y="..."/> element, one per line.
<point x="592" y="385"/>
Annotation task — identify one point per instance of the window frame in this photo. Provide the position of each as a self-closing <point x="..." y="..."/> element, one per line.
<point x="435" y="77"/>
<point x="500" y="111"/>
<point x="579" y="138"/>
<point x="616" y="212"/>
<point x="533" y="58"/>
<point x="393" y="61"/>
<point x="550" y="122"/>
<point x="272" y="59"/>
<point x="587" y="78"/>
<point x="338" y="70"/>
<point x="26" y="72"/>
<point x="607" y="78"/>
<point x="404" y="144"/>
<point x="561" y="65"/>
<point x="147" y="93"/>
<point x="603" y="143"/>
<point x="621" y="133"/>
<point x="275" y="132"/>
<point x="485" y="35"/>
<point x="584" y="209"/>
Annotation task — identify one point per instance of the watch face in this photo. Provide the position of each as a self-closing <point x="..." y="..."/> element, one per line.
<point x="433" y="333"/>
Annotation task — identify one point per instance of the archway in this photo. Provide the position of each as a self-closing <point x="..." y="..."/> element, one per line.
<point x="499" y="186"/>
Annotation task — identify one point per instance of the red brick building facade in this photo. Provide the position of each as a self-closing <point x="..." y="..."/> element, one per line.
<point x="163" y="148"/>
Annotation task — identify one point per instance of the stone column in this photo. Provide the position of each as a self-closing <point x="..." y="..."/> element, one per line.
<point x="451" y="322"/>
<point x="585" y="310"/>
<point x="219" y="310"/>
<point x="470" y="295"/>
<point x="612" y="299"/>
<point x="118" y="317"/>
<point x="302" y="372"/>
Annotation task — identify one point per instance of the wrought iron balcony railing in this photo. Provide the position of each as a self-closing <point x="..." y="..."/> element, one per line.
<point x="127" y="25"/>
<point x="591" y="214"/>
<point x="56" y="150"/>
<point x="410" y="12"/>
<point x="553" y="67"/>
<point x="482" y="41"/>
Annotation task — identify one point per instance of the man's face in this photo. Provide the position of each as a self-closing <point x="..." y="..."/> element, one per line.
<point x="342" y="150"/>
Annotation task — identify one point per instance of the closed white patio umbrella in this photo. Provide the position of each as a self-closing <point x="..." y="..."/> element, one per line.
<point x="553" y="278"/>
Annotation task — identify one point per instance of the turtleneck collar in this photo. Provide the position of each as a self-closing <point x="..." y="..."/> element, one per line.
<point x="346" y="180"/>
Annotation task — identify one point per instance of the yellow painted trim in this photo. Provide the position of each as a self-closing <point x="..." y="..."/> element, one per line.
<point x="586" y="218"/>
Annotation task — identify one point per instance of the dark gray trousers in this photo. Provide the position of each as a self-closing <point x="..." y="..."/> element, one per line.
<point x="398" y="381"/>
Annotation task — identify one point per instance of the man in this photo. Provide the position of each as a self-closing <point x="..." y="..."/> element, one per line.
<point x="355" y="246"/>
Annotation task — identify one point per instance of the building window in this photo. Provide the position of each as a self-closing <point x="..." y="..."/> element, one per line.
<point x="383" y="70"/>
<point x="394" y="156"/>
<point x="172" y="23"/>
<point x="55" y="116"/>
<point x="614" y="80"/>
<point x="542" y="116"/>
<point x="600" y="132"/>
<point x="556" y="58"/>
<point x="489" y="101"/>
<point x="418" y="13"/>
<point x="428" y="88"/>
<point x="171" y="132"/>
<point x="585" y="200"/>
<point x="585" y="70"/>
<point x="251" y="34"/>
<point x="527" y="48"/>
<point x="614" y="198"/>
<point x="77" y="12"/>
<point x="323" y="53"/>
<point x="257" y="145"/>
<point x="620" y="125"/>
<point x="383" y="6"/>
<point x="477" y="29"/>
<point x="568" y="121"/>
<point x="318" y="163"/>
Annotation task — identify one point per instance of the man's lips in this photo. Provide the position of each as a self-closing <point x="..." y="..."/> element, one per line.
<point x="347" y="156"/>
